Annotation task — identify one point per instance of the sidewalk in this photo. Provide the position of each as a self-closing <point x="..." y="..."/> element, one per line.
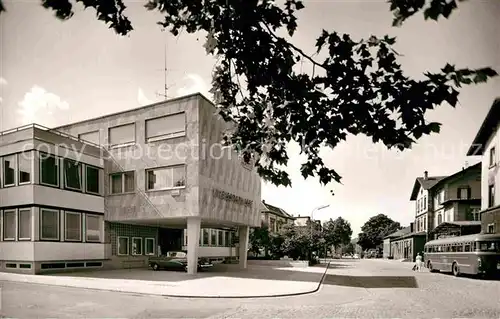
<point x="255" y="282"/>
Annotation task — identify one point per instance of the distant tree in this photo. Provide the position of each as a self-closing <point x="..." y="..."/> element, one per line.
<point x="299" y="242"/>
<point x="356" y="86"/>
<point x="337" y="232"/>
<point x="375" y="229"/>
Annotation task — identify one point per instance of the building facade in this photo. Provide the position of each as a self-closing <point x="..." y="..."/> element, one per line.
<point x="486" y="144"/>
<point x="51" y="202"/>
<point x="168" y="184"/>
<point x="274" y="217"/>
<point x="422" y="196"/>
<point x="456" y="198"/>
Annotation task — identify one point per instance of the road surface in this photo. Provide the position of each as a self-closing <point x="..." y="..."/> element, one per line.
<point x="361" y="289"/>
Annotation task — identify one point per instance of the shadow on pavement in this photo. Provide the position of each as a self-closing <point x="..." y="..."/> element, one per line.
<point x="371" y="281"/>
<point x="220" y="270"/>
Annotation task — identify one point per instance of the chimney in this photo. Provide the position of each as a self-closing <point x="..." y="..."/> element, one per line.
<point x="426" y="175"/>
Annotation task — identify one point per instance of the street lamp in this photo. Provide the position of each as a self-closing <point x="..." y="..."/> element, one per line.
<point x="312" y="217"/>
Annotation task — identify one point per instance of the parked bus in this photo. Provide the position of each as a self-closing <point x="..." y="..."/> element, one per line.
<point x="471" y="254"/>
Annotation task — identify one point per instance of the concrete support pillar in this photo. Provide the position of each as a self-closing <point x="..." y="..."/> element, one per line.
<point x="244" y="232"/>
<point x="193" y="237"/>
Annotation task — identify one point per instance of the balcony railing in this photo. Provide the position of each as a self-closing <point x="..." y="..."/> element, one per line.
<point x="43" y="128"/>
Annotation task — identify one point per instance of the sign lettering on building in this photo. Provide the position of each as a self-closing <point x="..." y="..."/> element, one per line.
<point x="217" y="193"/>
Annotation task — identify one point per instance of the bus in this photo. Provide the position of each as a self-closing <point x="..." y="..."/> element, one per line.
<point x="477" y="254"/>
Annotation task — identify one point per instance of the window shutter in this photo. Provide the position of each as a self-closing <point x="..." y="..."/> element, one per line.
<point x="459" y="193"/>
<point x="468" y="193"/>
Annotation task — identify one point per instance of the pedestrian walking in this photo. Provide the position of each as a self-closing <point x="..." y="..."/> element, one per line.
<point x="418" y="263"/>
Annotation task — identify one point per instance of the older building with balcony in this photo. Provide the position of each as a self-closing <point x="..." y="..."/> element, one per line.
<point x="167" y="184"/>
<point x="486" y="144"/>
<point x="456" y="204"/>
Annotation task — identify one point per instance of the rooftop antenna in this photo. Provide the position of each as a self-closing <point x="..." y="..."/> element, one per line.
<point x="165" y="72"/>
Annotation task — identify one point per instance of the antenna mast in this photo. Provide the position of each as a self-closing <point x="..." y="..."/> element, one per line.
<point x="165" y="70"/>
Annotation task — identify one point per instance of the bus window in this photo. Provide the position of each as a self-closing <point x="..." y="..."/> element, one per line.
<point x="467" y="247"/>
<point x="489" y="246"/>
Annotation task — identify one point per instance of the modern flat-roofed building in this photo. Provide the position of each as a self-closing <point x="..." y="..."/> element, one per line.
<point x="167" y="184"/>
<point x="51" y="201"/>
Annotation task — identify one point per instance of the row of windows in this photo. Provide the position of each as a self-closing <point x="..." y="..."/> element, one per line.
<point x="484" y="246"/>
<point x="215" y="238"/>
<point x="136" y="246"/>
<point x="422" y="204"/>
<point x="157" y="129"/>
<point x="17" y="169"/>
<point x="18" y="224"/>
<point x="162" y="178"/>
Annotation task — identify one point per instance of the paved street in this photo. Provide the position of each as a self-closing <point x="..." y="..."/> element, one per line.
<point x="366" y="288"/>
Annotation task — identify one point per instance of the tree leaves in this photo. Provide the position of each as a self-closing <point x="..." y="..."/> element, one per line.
<point x="432" y="9"/>
<point x="358" y="88"/>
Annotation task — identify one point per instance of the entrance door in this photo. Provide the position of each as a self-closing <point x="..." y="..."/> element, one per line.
<point x="170" y="239"/>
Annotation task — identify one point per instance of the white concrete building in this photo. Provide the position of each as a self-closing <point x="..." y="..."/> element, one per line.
<point x="164" y="183"/>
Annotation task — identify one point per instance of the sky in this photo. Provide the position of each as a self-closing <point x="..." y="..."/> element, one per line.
<point x="54" y="72"/>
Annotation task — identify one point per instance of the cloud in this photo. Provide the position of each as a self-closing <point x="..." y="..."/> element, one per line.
<point x="41" y="107"/>
<point x="142" y="99"/>
<point x="195" y="84"/>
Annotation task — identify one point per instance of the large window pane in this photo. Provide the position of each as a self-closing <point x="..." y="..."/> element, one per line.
<point x="9" y="170"/>
<point x="165" y="127"/>
<point x="73" y="229"/>
<point x="213" y="237"/>
<point x="129" y="181"/>
<point x="92" y="179"/>
<point x="149" y="246"/>
<point x="93" y="228"/>
<point x="123" y="246"/>
<point x="116" y="184"/>
<point x="120" y="135"/>
<point x="226" y="239"/>
<point x="179" y="176"/>
<point x="164" y="178"/>
<point x="136" y="246"/>
<point x="92" y="137"/>
<point x="25" y="224"/>
<point x="72" y="174"/>
<point x="49" y="224"/>
<point x="24" y="161"/>
<point x="9" y="225"/>
<point x="220" y="238"/>
<point x="49" y="166"/>
<point x="206" y="237"/>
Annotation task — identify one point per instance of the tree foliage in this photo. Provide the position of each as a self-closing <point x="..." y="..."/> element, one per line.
<point x="337" y="232"/>
<point x="375" y="229"/>
<point x="357" y="85"/>
<point x="259" y="240"/>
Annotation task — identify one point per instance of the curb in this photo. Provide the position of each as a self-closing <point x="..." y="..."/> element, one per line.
<point x="320" y="283"/>
<point x="318" y="287"/>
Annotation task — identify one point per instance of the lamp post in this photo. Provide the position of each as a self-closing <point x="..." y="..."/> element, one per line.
<point x="312" y="218"/>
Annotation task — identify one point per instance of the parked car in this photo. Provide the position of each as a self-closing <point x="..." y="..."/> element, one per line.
<point x="176" y="260"/>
